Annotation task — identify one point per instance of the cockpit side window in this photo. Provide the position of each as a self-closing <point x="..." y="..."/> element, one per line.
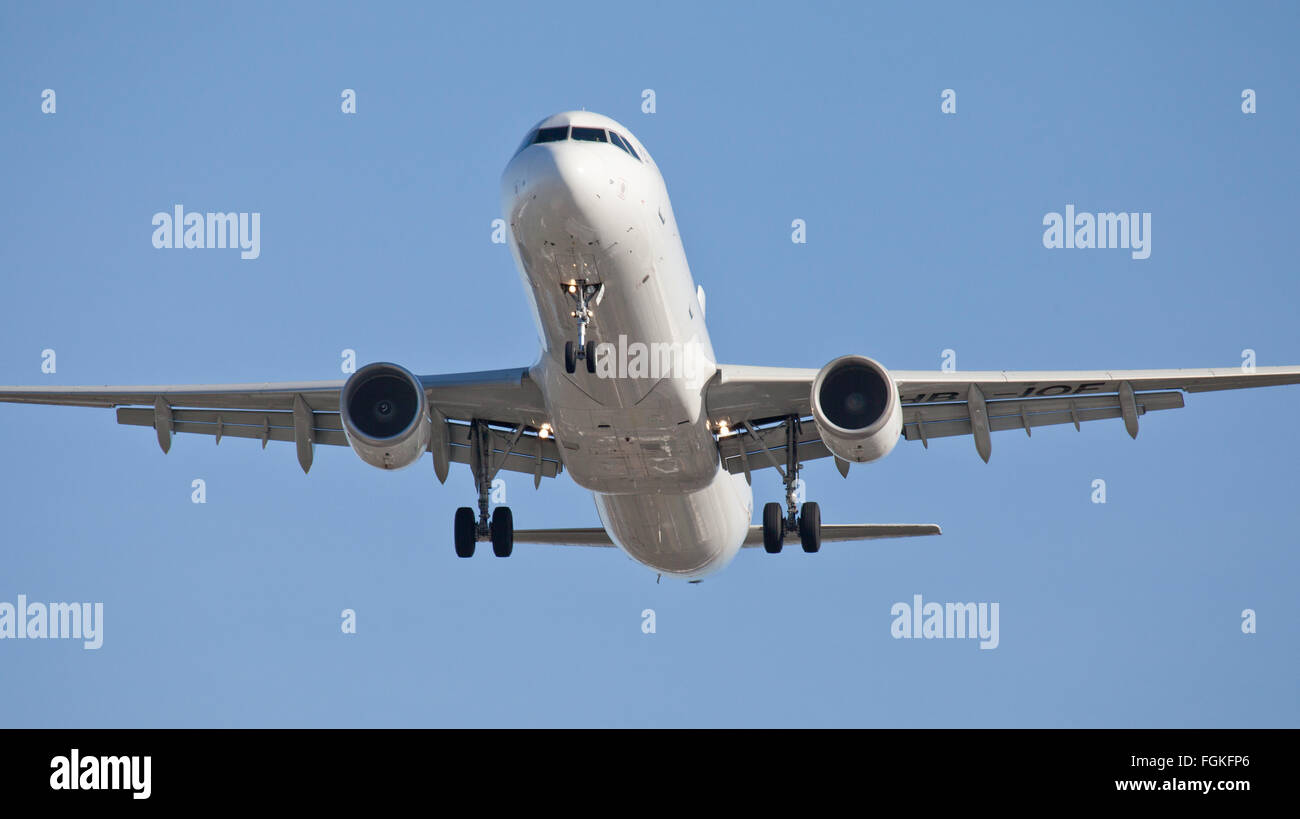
<point x="622" y="143"/>
<point x="528" y="140"/>
<point x="589" y="134"/>
<point x="552" y="134"/>
<point x="627" y="145"/>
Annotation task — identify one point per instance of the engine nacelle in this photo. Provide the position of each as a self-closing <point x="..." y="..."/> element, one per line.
<point x="857" y="409"/>
<point x="385" y="415"/>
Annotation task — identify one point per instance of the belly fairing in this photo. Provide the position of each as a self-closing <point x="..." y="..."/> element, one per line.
<point x="688" y="534"/>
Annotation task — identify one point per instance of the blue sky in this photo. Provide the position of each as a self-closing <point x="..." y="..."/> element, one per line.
<point x="924" y="234"/>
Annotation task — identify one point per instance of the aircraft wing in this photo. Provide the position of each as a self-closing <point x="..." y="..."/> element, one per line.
<point x="507" y="402"/>
<point x="757" y="403"/>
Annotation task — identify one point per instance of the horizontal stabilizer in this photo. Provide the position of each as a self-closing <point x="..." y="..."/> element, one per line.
<point x="858" y="531"/>
<point x="592" y="536"/>
<point x="596" y="536"/>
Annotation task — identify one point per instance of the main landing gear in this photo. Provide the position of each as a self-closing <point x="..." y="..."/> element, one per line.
<point x="500" y="526"/>
<point x="501" y="531"/>
<point x="806" y="520"/>
<point x="585" y="296"/>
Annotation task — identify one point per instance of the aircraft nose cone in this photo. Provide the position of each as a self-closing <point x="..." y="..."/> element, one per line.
<point x="574" y="165"/>
<point x="552" y="193"/>
<point x="565" y="173"/>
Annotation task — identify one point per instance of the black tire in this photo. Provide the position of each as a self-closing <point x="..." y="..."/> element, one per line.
<point x="570" y="358"/>
<point x="503" y="531"/>
<point x="810" y="527"/>
<point x="591" y="357"/>
<point x="773" y="528"/>
<point x="466" y="531"/>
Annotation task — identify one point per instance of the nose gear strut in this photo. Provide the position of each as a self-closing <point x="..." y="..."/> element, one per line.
<point x="585" y="296"/>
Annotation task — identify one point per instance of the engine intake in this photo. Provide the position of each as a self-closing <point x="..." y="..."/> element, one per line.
<point x="385" y="415"/>
<point x="857" y="409"/>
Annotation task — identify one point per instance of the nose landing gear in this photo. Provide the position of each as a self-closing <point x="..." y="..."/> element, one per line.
<point x="572" y="354"/>
<point x="586" y="295"/>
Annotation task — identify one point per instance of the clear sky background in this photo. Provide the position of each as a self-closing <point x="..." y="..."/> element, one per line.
<point x="924" y="234"/>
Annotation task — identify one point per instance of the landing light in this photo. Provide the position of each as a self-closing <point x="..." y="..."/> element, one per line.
<point x="544" y="432"/>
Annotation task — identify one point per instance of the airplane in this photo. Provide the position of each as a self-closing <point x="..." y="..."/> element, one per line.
<point x="626" y="395"/>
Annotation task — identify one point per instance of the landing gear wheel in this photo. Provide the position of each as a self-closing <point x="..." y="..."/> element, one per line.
<point x="570" y="358"/>
<point x="465" y="532"/>
<point x="773" y="528"/>
<point x="810" y="527"/>
<point x="591" y="357"/>
<point x="503" y="531"/>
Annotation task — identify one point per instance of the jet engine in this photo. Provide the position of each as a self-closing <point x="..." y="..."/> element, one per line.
<point x="857" y="409"/>
<point x="385" y="415"/>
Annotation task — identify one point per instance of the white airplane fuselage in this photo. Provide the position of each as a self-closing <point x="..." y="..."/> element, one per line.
<point x="635" y="432"/>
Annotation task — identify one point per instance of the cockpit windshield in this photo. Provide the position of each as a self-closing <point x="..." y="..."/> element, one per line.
<point x="589" y="134"/>
<point x="552" y="134"/>
<point x="579" y="133"/>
